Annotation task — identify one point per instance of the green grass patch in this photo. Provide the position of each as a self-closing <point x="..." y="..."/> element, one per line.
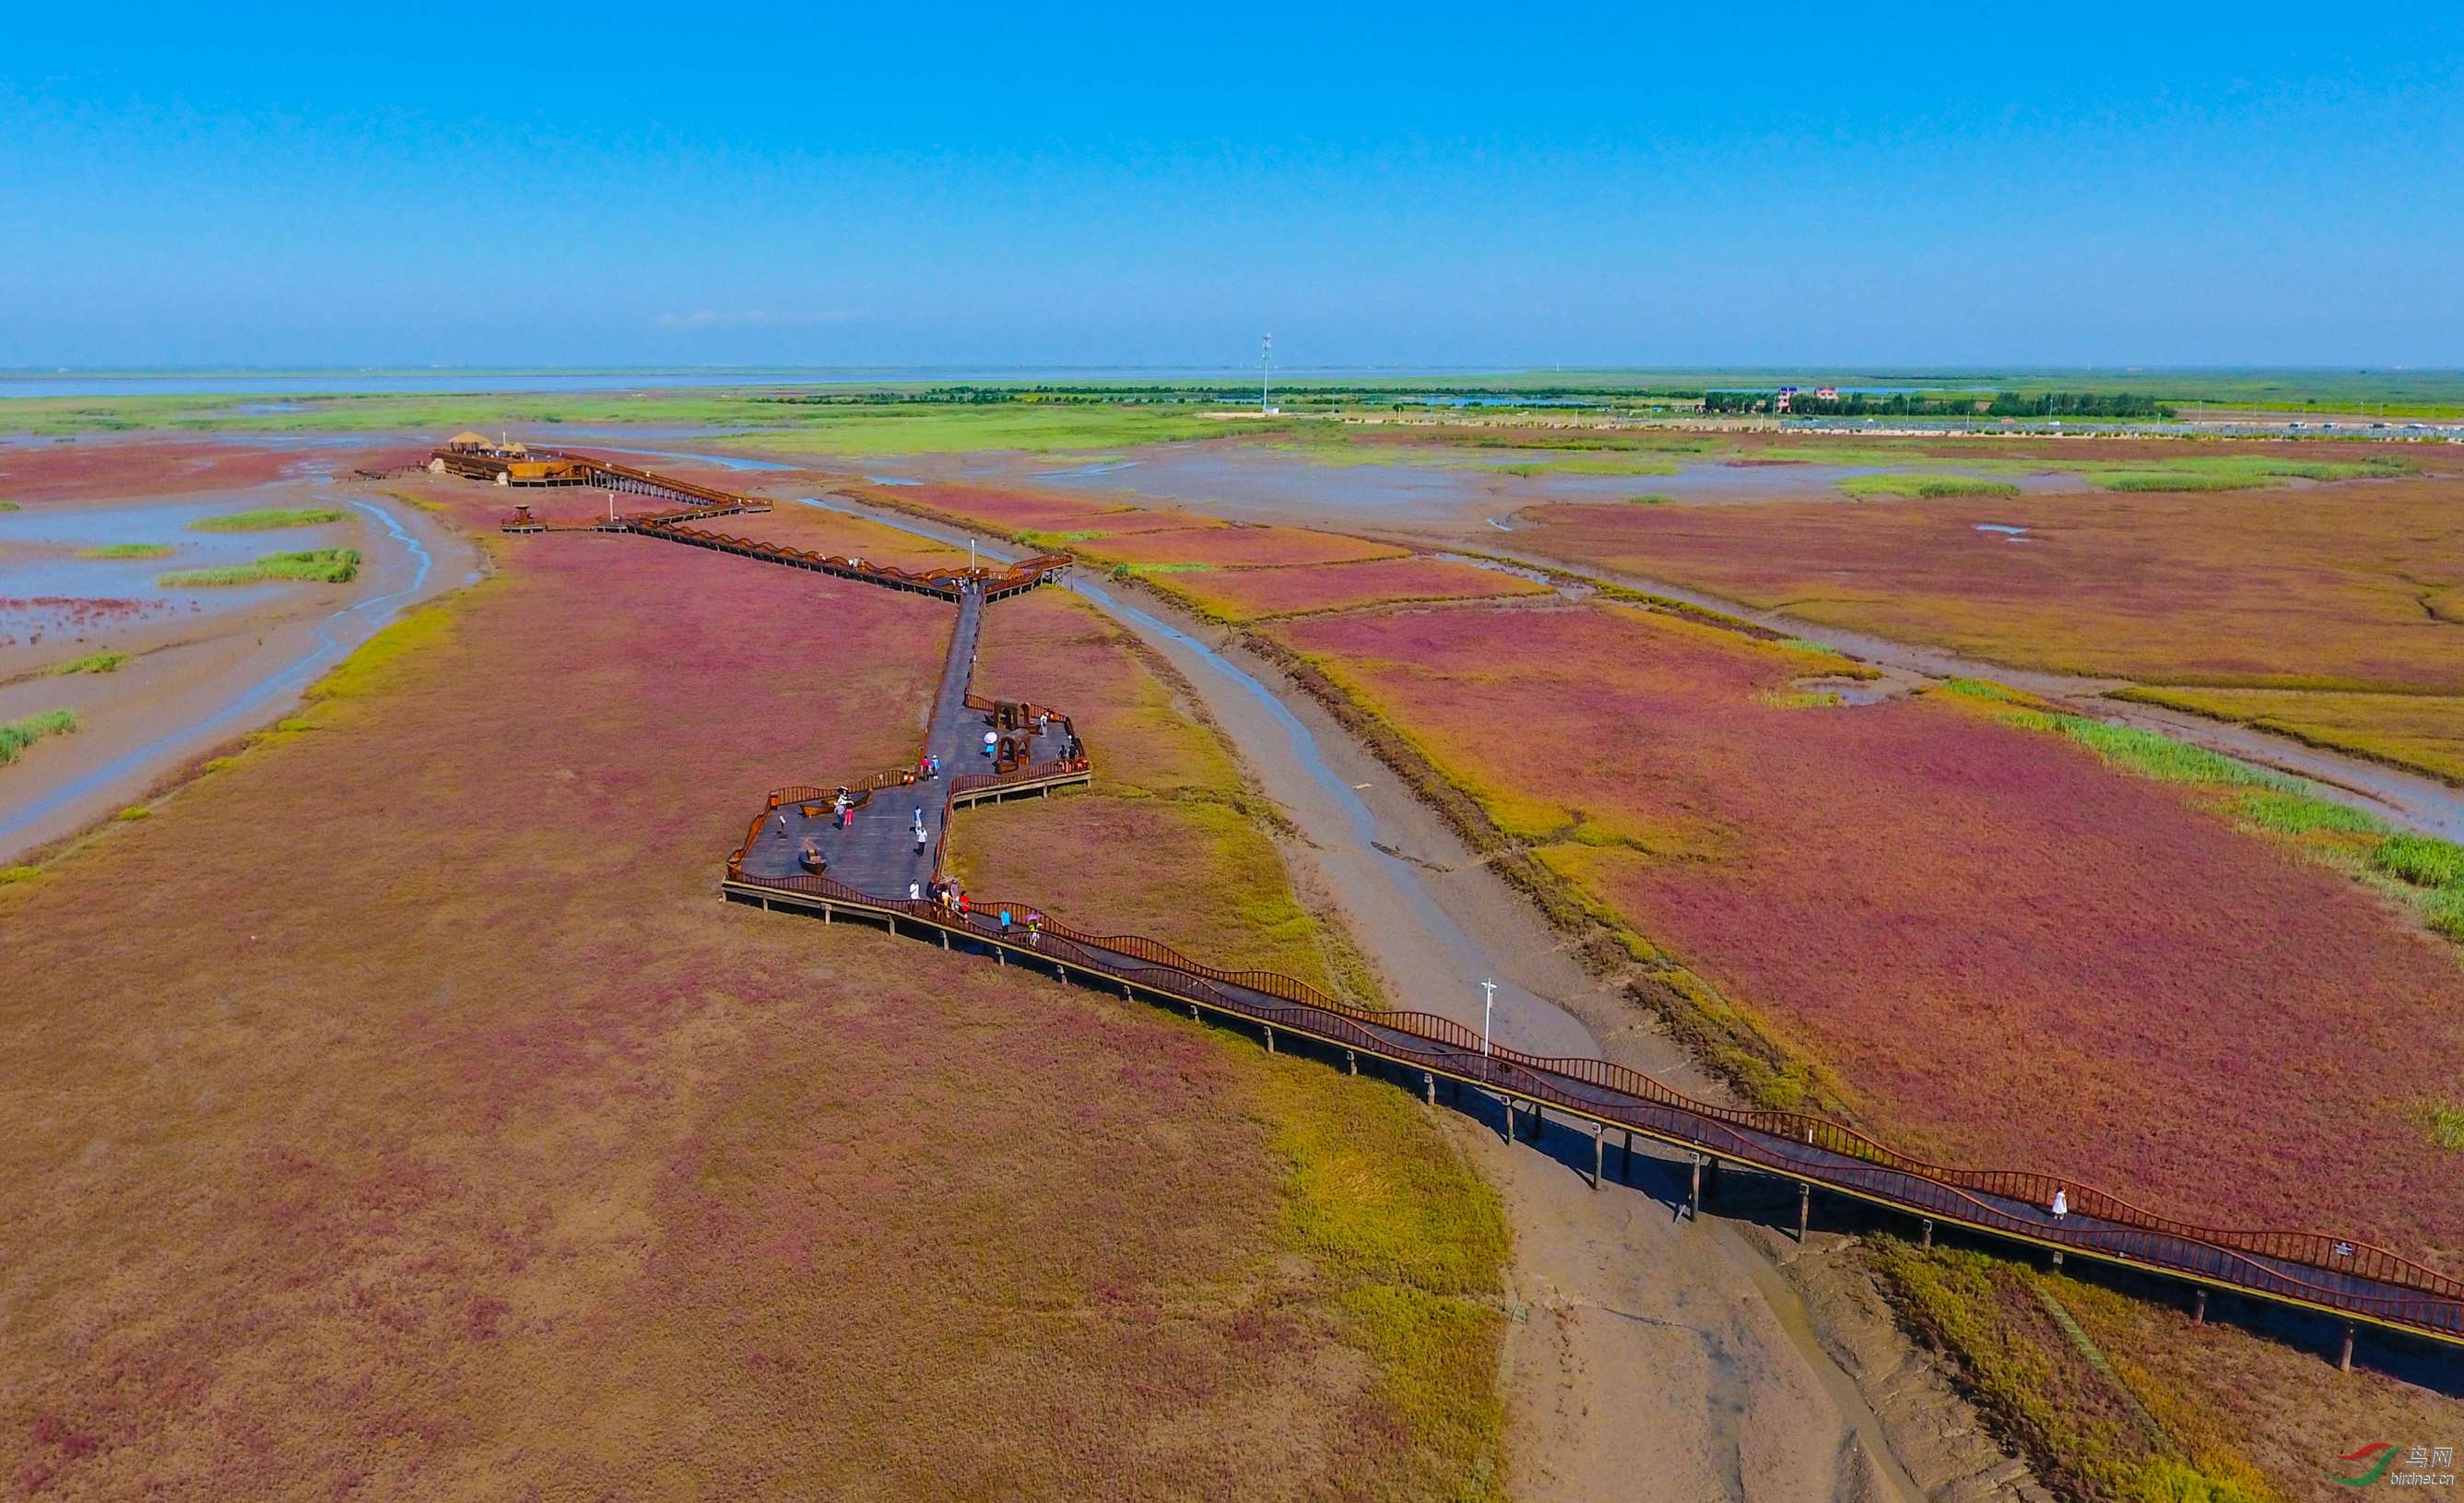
<point x="835" y="428"/>
<point x="2422" y="860"/>
<point x="93" y="663"/>
<point x="314" y="567"/>
<point x="2443" y="910"/>
<point x="133" y="813"/>
<point x="2154" y="756"/>
<point x="2084" y="1424"/>
<point x="1926" y="487"/>
<point x="128" y="550"/>
<point x="1417" y="1243"/>
<point x="2444" y="1123"/>
<point x="268" y="520"/>
<point x="1130" y="571"/>
<point x="2285" y="811"/>
<point x="1985" y="689"/>
<point x="2180" y="481"/>
<point x="2429" y="870"/>
<point x="16" y="736"/>
<point x="2235" y="473"/>
<point x="9" y="506"/>
<point x="1651" y="499"/>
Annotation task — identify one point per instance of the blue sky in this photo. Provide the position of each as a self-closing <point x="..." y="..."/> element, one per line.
<point x="1158" y="186"/>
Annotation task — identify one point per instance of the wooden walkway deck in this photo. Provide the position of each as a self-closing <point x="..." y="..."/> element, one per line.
<point x="874" y="863"/>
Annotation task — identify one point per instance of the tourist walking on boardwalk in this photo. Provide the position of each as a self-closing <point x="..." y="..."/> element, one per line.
<point x="2061" y="1205"/>
<point x="1005" y="921"/>
<point x="1035" y="928"/>
<point x="990" y="740"/>
<point x="962" y="905"/>
<point x="920" y="837"/>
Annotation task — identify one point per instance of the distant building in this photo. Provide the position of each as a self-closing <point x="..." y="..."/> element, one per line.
<point x="476" y="456"/>
<point x="1826" y="393"/>
<point x="1787" y="395"/>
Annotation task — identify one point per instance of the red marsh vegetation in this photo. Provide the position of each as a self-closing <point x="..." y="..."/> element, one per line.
<point x="398" y="1113"/>
<point x="2349" y="584"/>
<point x="2009" y="953"/>
<point x="1250" y="594"/>
<point x="1003" y="511"/>
<point x="1114" y="524"/>
<point x="818" y="530"/>
<point x="1237" y="546"/>
<point x="90" y="469"/>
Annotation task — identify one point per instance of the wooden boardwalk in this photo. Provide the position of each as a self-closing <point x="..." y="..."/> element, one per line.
<point x="875" y="851"/>
<point x="875" y="861"/>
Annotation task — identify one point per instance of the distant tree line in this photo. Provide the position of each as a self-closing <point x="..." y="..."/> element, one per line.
<point x="994" y="396"/>
<point x="1909" y="404"/>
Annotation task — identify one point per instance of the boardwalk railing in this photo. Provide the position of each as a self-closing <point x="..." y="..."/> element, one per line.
<point x="2314" y="1269"/>
<point x="946" y="583"/>
<point x="701" y="501"/>
<point x="974" y="787"/>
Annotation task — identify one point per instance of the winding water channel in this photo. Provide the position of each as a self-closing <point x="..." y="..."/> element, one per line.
<point x="277" y="673"/>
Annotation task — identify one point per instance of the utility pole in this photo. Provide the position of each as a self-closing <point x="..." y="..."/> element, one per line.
<point x="1487" y="1004"/>
<point x="1266" y="363"/>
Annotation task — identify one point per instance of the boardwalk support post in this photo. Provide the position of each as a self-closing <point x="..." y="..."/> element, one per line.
<point x="2198" y="1307"/>
<point x="1192" y="1012"/>
<point x="1694" y="1196"/>
<point x="1351" y="1063"/>
<point x="1429" y="1087"/>
<point x="1271" y="1039"/>
<point x="1804" y="1206"/>
<point x="2058" y="1257"/>
<point x="2345" y="1358"/>
<point x="1926" y="1242"/>
<point x="1599" y="1151"/>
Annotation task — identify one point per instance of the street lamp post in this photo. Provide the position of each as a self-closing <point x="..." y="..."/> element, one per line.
<point x="1487" y="1004"/>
